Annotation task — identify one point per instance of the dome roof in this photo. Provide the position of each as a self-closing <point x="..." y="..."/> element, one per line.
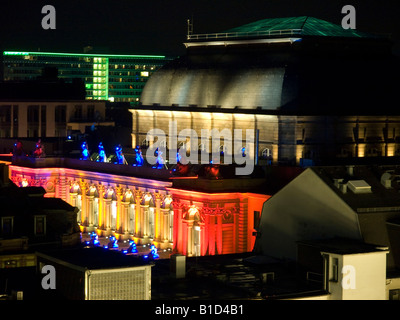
<point x="327" y="69"/>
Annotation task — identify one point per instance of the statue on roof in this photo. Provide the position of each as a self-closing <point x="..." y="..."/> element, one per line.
<point x="139" y="157"/>
<point x="120" y="156"/>
<point x="102" y="154"/>
<point x="85" y="151"/>
<point x="39" y="150"/>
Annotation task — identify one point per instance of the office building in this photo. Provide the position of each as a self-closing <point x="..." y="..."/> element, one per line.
<point x="112" y="77"/>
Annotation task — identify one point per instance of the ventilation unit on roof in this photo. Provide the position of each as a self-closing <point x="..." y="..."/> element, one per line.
<point x="359" y="186"/>
<point x="386" y="180"/>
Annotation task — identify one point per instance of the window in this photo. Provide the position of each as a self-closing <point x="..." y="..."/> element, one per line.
<point x="257" y="218"/>
<point x="33" y="114"/>
<point x="7" y="225"/>
<point x="78" y="112"/>
<point x="60" y="114"/>
<point x="40" y="225"/>
<point x="334" y="270"/>
<point x="90" y="112"/>
<point x="394" y="294"/>
<point x="10" y="264"/>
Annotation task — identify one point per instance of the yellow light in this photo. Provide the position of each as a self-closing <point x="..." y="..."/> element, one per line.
<point x="25" y="183"/>
<point x="361" y="150"/>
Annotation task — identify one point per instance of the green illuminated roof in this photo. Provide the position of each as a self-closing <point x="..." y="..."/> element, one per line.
<point x="305" y="26"/>
<point x="19" y="53"/>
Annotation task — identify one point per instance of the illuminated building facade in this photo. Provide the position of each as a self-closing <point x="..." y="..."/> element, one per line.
<point x="143" y="204"/>
<point x="313" y="91"/>
<point x="32" y="119"/>
<point x="106" y="76"/>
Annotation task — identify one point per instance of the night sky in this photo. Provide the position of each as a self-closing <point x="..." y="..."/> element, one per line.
<point x="160" y="26"/>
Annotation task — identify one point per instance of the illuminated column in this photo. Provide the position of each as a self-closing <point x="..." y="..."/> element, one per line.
<point x="206" y="234"/>
<point x="158" y="221"/>
<point x="211" y="235"/>
<point x="125" y="206"/>
<point x="84" y="211"/>
<point x="235" y="231"/>
<point x="138" y="221"/>
<point x="189" y="237"/>
<point x="164" y="213"/>
<point x="107" y="216"/>
<point x="218" y="234"/>
<point x="72" y="202"/>
<point x="203" y="239"/>
<point x="101" y="211"/>
<point x="144" y="215"/>
<point x="90" y="209"/>
<point x="120" y="213"/>
<point x="177" y="235"/>
<point x="165" y="221"/>
<point x="242" y="226"/>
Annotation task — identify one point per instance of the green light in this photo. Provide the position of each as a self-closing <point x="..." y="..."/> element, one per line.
<point x="14" y="53"/>
<point x="17" y="53"/>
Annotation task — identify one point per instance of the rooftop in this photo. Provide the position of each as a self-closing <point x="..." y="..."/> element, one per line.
<point x="284" y="27"/>
<point x="93" y="258"/>
<point x="61" y="54"/>
<point x="374" y="193"/>
<point x="343" y="246"/>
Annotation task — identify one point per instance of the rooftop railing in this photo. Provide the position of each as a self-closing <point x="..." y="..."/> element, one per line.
<point x="253" y="34"/>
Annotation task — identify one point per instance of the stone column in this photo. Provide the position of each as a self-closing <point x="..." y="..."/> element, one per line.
<point x="101" y="207"/>
<point x="90" y="209"/>
<point x="218" y="233"/>
<point x="107" y="216"/>
<point x="138" y="221"/>
<point x="158" y="221"/>
<point x="84" y="211"/>
<point x="120" y="219"/>
<point x="177" y="234"/>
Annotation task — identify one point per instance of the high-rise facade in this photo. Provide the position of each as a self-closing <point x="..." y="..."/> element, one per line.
<point x="118" y="78"/>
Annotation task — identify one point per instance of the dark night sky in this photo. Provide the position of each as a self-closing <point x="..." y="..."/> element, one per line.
<point x="159" y="26"/>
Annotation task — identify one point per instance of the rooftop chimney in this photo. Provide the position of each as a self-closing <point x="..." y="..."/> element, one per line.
<point x="350" y="170"/>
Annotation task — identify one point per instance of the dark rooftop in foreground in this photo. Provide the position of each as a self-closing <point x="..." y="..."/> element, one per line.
<point x="94" y="258"/>
<point x="342" y="246"/>
<point x="234" y="276"/>
<point x="375" y="196"/>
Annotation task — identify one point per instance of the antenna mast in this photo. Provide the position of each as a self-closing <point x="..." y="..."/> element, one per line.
<point x="190" y="28"/>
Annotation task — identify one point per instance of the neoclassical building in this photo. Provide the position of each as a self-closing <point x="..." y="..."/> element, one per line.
<point x="311" y="91"/>
<point x="149" y="205"/>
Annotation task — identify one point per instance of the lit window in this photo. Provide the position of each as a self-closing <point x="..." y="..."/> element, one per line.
<point x="144" y="73"/>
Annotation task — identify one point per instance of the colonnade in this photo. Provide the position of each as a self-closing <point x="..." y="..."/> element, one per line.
<point x="123" y="212"/>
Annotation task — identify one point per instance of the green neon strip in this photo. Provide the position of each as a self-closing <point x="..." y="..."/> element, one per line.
<point x="17" y="53"/>
<point x="13" y="53"/>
